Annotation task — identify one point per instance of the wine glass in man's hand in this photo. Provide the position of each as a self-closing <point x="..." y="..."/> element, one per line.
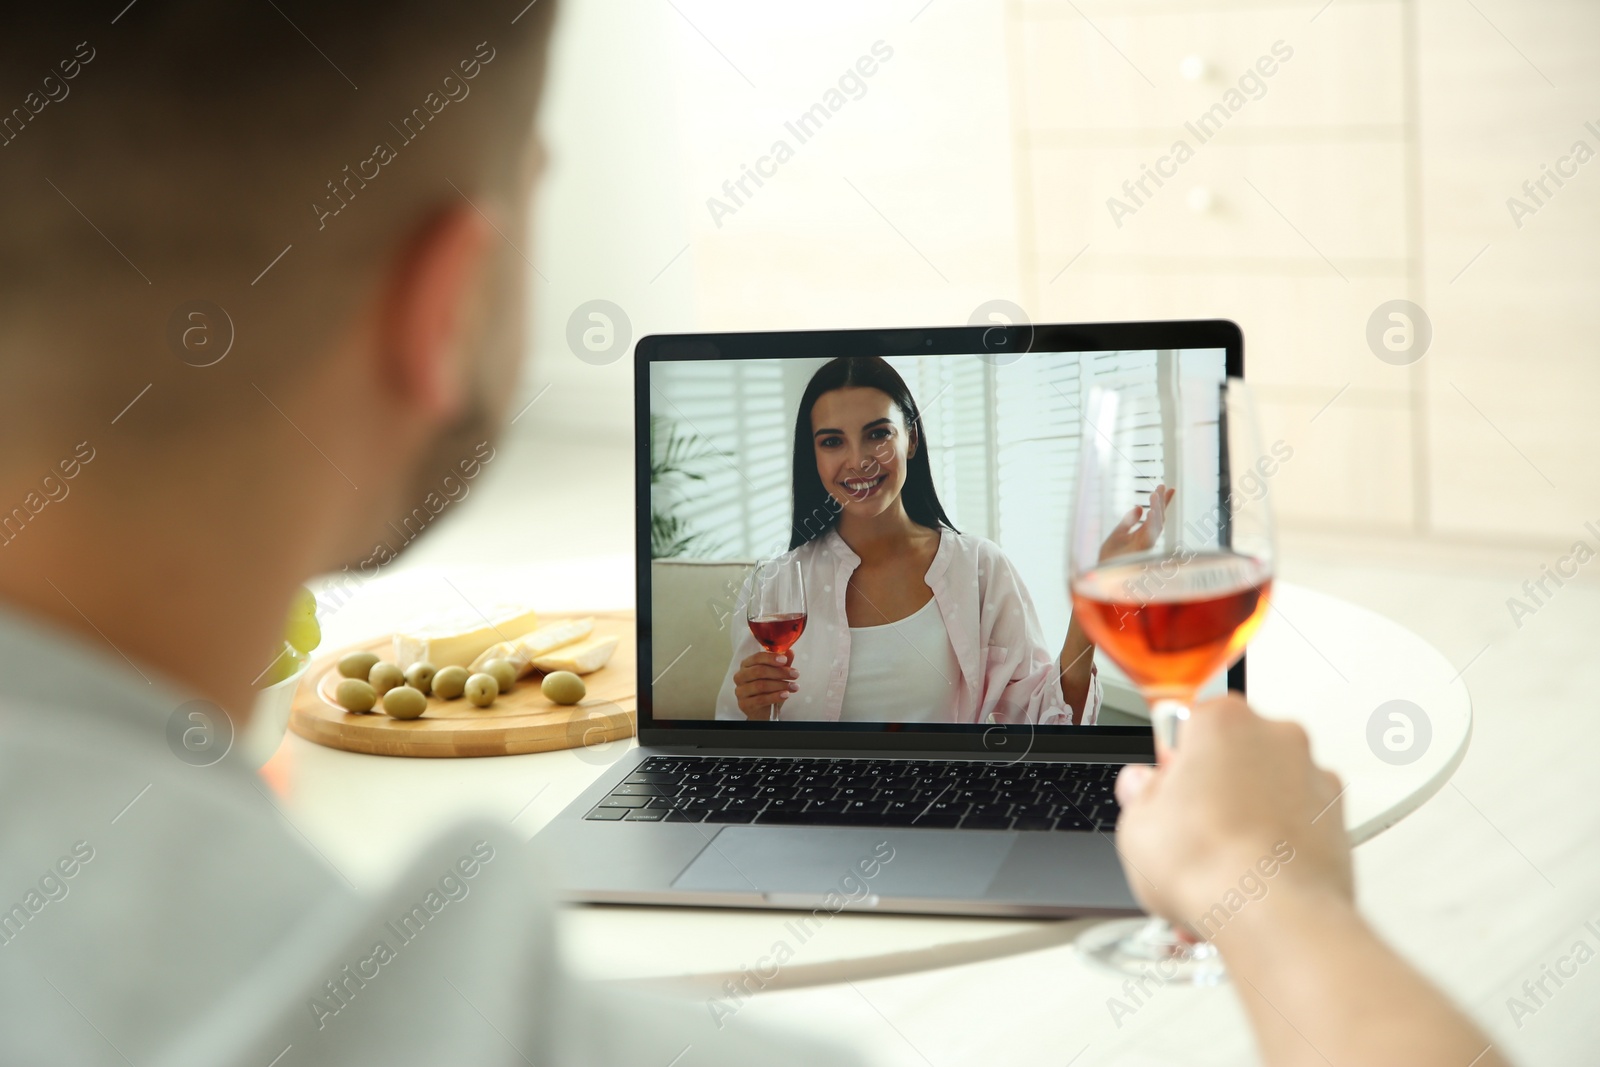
<point x="1170" y="605"/>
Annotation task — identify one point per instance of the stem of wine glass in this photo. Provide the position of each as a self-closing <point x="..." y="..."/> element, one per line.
<point x="1166" y="715"/>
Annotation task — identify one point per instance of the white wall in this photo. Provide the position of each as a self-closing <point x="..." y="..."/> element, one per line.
<point x="977" y="167"/>
<point x="645" y="120"/>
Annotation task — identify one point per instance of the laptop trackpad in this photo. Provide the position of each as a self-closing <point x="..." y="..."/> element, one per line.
<point x="812" y="861"/>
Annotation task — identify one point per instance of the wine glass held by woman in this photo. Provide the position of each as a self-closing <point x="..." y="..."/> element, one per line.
<point x="868" y="522"/>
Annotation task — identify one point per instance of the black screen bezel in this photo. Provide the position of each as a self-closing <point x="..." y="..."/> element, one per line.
<point x="977" y="739"/>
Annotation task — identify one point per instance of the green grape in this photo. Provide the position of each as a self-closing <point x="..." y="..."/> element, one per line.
<point x="304" y="605"/>
<point x="288" y="662"/>
<point x="304" y="633"/>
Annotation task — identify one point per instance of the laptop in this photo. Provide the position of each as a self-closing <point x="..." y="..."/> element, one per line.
<point x="942" y="780"/>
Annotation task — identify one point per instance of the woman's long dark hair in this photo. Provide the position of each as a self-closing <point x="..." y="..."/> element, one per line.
<point x="815" y="510"/>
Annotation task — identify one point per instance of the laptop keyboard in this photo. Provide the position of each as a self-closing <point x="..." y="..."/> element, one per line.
<point x="804" y="791"/>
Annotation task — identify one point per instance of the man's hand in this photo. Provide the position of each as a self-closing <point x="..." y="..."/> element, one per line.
<point x="1193" y="835"/>
<point x="1237" y="788"/>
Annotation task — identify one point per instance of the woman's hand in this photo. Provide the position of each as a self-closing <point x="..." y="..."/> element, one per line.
<point x="1136" y="532"/>
<point x="763" y="682"/>
<point x="1140" y="527"/>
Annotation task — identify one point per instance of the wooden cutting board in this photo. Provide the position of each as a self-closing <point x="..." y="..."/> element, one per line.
<point x="520" y="721"/>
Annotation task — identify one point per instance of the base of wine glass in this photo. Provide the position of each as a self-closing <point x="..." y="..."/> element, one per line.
<point x="1150" y="948"/>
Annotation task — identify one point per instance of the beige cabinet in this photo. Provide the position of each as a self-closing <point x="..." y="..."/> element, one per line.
<point x="1372" y="164"/>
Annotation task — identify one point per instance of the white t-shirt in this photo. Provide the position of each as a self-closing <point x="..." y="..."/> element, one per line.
<point x="157" y="912"/>
<point x="904" y="671"/>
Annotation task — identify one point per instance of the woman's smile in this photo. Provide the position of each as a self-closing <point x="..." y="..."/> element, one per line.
<point x="862" y="488"/>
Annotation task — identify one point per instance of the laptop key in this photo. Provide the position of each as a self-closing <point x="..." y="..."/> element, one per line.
<point x="1028" y="822"/>
<point x="936" y="820"/>
<point x="607" y="814"/>
<point x="904" y="818"/>
<point x="830" y="781"/>
<point x="802" y="818"/>
<point x="956" y="808"/>
<point x="644" y="791"/>
<point x="864" y="807"/>
<point x="1002" y="810"/>
<point x="730" y="816"/>
<point x="646" y="815"/>
<point x="625" y="802"/>
<point x="684" y="816"/>
<point x="652" y="778"/>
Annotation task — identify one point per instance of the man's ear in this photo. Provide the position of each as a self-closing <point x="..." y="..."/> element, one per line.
<point x="427" y="321"/>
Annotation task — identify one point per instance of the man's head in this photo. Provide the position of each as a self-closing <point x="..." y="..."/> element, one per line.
<point x="302" y="227"/>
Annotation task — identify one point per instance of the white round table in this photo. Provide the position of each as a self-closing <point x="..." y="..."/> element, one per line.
<point x="1318" y="660"/>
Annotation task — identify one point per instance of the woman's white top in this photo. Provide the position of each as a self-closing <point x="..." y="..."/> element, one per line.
<point x="1006" y="673"/>
<point x="903" y="671"/>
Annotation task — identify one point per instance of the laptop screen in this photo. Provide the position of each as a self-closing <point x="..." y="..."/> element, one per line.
<point x="771" y="601"/>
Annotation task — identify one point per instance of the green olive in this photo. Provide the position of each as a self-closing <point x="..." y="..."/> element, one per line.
<point x="404" y="702"/>
<point x="449" y="682"/>
<point x="482" y="689"/>
<point x="419" y="676"/>
<point x="357" y="664"/>
<point x="504" y="674"/>
<point x="564" y="687"/>
<point x="355" y="695"/>
<point x="384" y="676"/>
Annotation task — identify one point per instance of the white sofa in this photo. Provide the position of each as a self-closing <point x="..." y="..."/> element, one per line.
<point x="692" y="609"/>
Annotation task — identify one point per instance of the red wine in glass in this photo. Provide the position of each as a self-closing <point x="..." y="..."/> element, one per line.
<point x="778" y="633"/>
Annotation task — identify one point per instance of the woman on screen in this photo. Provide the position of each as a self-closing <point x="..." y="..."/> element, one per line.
<point x="909" y="620"/>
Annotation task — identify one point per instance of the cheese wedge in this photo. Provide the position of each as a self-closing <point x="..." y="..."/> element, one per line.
<point x="583" y="658"/>
<point x="521" y="651"/>
<point x="459" y="638"/>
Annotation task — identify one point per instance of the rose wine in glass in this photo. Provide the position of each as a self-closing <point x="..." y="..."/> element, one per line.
<point x="777" y="607"/>
<point x="1170" y="641"/>
<point x="1175" y="603"/>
